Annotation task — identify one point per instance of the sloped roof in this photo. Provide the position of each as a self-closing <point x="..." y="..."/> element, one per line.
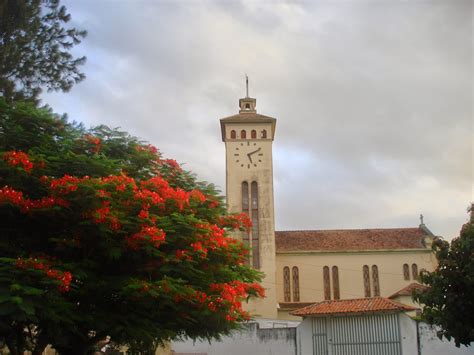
<point x="293" y="305"/>
<point x="352" y="306"/>
<point x="408" y="290"/>
<point x="350" y="239"/>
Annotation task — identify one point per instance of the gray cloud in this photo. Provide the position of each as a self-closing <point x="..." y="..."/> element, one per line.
<point x="373" y="98"/>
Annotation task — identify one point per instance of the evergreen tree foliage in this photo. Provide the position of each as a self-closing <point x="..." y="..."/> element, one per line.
<point x="449" y="301"/>
<point x="100" y="235"/>
<point x="34" y="48"/>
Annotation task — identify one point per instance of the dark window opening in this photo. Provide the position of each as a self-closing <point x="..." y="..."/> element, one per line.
<point x="327" y="283"/>
<point x="296" y="284"/>
<point x="286" y="284"/>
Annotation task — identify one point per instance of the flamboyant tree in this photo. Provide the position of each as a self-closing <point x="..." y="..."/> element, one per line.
<point x="449" y="300"/>
<point x="100" y="235"/>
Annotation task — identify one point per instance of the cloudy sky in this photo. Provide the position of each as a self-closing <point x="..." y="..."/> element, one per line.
<point x="374" y="99"/>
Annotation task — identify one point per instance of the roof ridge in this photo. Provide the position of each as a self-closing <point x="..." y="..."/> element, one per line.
<point x="345" y="229"/>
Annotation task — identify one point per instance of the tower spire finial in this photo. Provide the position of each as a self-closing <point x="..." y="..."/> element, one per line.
<point x="247" y="84"/>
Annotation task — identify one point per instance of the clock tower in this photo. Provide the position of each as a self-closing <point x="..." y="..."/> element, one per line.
<point x="248" y="138"/>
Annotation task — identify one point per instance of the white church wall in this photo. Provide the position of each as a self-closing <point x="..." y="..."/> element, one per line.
<point x="430" y="344"/>
<point x="250" y="340"/>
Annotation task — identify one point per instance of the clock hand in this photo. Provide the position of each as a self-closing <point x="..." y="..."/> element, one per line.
<point x="250" y="157"/>
<point x="255" y="151"/>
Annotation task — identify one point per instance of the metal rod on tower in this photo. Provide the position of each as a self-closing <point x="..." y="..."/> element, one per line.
<point x="247" y="84"/>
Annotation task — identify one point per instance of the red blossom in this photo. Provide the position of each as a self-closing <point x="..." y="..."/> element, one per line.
<point x="95" y="141"/>
<point x="16" y="158"/>
<point x="64" y="277"/>
<point x="153" y="235"/>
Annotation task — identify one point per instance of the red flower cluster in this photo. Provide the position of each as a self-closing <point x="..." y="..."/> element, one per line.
<point x="121" y="182"/>
<point x="102" y="215"/>
<point x="147" y="148"/>
<point x="66" y="184"/>
<point x="153" y="235"/>
<point x="64" y="277"/>
<point x="231" y="295"/>
<point x="95" y="141"/>
<point x="157" y="191"/>
<point x="172" y="163"/>
<point x="14" y="158"/>
<point x="236" y="221"/>
<point x="9" y="195"/>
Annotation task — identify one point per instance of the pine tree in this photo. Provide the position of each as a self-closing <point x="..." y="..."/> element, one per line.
<point x="34" y="49"/>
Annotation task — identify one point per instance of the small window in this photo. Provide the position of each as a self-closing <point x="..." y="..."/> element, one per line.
<point x="406" y="272"/>
<point x="365" y="272"/>
<point x="243" y="134"/>
<point x="247" y="106"/>
<point x="327" y="283"/>
<point x="286" y="284"/>
<point x="233" y="134"/>
<point x="264" y="133"/>
<point x="375" y="280"/>
<point x="414" y="271"/>
<point x="296" y="284"/>
<point x="335" y="282"/>
<point x="253" y="134"/>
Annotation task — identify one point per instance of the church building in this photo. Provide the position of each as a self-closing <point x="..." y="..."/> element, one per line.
<point x="307" y="266"/>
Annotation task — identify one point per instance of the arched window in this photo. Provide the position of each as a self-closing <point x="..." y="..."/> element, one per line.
<point x="264" y="133"/>
<point x="253" y="134"/>
<point x="335" y="283"/>
<point x="327" y="283"/>
<point x="233" y="134"/>
<point x="365" y="272"/>
<point x="414" y="271"/>
<point x="255" y="227"/>
<point x="247" y="106"/>
<point x="243" y="134"/>
<point x="296" y="284"/>
<point x="375" y="280"/>
<point x="286" y="284"/>
<point x="245" y="209"/>
<point x="406" y="272"/>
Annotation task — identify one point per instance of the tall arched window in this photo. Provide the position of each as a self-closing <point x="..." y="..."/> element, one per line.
<point x="365" y="272"/>
<point x="253" y="134"/>
<point x="243" y="134"/>
<point x="255" y="227"/>
<point x="406" y="272"/>
<point x="286" y="284"/>
<point x="335" y="283"/>
<point x="233" y="134"/>
<point x="245" y="209"/>
<point x="296" y="284"/>
<point x="264" y="133"/>
<point x="327" y="283"/>
<point x="414" y="271"/>
<point x="375" y="280"/>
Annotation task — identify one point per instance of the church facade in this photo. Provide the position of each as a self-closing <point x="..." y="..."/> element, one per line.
<point x="304" y="267"/>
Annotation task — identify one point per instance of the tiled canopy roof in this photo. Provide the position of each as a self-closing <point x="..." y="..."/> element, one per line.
<point x="408" y="291"/>
<point x="350" y="239"/>
<point x="353" y="306"/>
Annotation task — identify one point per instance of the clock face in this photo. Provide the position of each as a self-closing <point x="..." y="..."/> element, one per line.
<point x="248" y="154"/>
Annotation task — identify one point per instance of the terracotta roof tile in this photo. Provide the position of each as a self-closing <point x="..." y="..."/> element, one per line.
<point x="408" y="290"/>
<point x="352" y="306"/>
<point x="350" y="239"/>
